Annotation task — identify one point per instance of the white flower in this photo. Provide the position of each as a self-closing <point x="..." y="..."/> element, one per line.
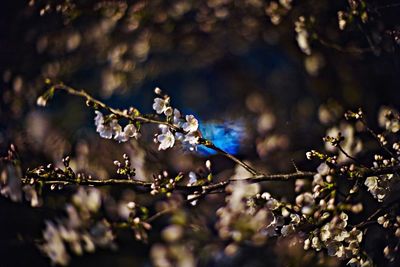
<point x="89" y="199"/>
<point x="287" y="229"/>
<point x="168" y="111"/>
<point x="325" y="233"/>
<point x="371" y="182"/>
<point x="54" y="245"/>
<point x="121" y="137"/>
<point x="335" y="249"/>
<point x="307" y="243"/>
<point x="191" y="139"/>
<point x="105" y="131"/>
<point x="316" y="244"/>
<point x="191" y="124"/>
<point x="157" y="91"/>
<point x="160" y="105"/>
<point x="303" y="36"/>
<point x="342" y="235"/>
<point x="177" y="117"/>
<point x="166" y="140"/>
<point x="41" y="101"/>
<point x="192" y="178"/>
<point x="129" y="131"/>
<point x="302" y="41"/>
<point x="99" y="119"/>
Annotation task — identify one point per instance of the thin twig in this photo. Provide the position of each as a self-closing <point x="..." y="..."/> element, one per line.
<point x="375" y="136"/>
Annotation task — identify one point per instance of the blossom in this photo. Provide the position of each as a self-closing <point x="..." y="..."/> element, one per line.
<point x="99" y="119"/>
<point x="192" y="178"/>
<point x="160" y="105"/>
<point x="388" y="118"/>
<point x="41" y="101"/>
<point x="191" y="125"/>
<point x="303" y="36"/>
<point x="177" y="117"/>
<point x="129" y="131"/>
<point x="371" y="182"/>
<point x="166" y="140"/>
<point x="106" y="130"/>
<point x="113" y="129"/>
<point x="191" y="139"/>
<point x="54" y="246"/>
<point x="89" y="199"/>
<point x="335" y="249"/>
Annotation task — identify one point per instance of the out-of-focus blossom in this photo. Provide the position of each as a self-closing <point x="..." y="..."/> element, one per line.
<point x="389" y="119"/>
<point x="302" y="35"/>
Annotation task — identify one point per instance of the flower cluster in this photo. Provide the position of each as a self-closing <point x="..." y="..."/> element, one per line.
<point x="183" y="129"/>
<point x="76" y="232"/>
<point x="11" y="185"/>
<point x="277" y="9"/>
<point x="338" y="241"/>
<point x="379" y="186"/>
<point x="248" y="216"/>
<point x="108" y="127"/>
<point x="389" y="119"/>
<point x="175" y="252"/>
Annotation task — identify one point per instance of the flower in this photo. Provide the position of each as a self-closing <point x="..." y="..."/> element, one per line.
<point x="106" y="130"/>
<point x="160" y="105"/>
<point x="166" y="140"/>
<point x="54" y="246"/>
<point x="168" y="111"/>
<point x="99" y="119"/>
<point x="303" y="36"/>
<point x="129" y="131"/>
<point x="41" y="101"/>
<point x="192" y="178"/>
<point x="112" y="128"/>
<point x="371" y="182"/>
<point x="177" y="117"/>
<point x="191" y="125"/>
<point x="191" y="139"/>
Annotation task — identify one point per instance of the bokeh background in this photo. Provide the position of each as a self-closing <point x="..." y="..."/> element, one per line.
<point x="221" y="60"/>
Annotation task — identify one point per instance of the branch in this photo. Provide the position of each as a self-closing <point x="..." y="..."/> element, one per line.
<point x="144" y="119"/>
